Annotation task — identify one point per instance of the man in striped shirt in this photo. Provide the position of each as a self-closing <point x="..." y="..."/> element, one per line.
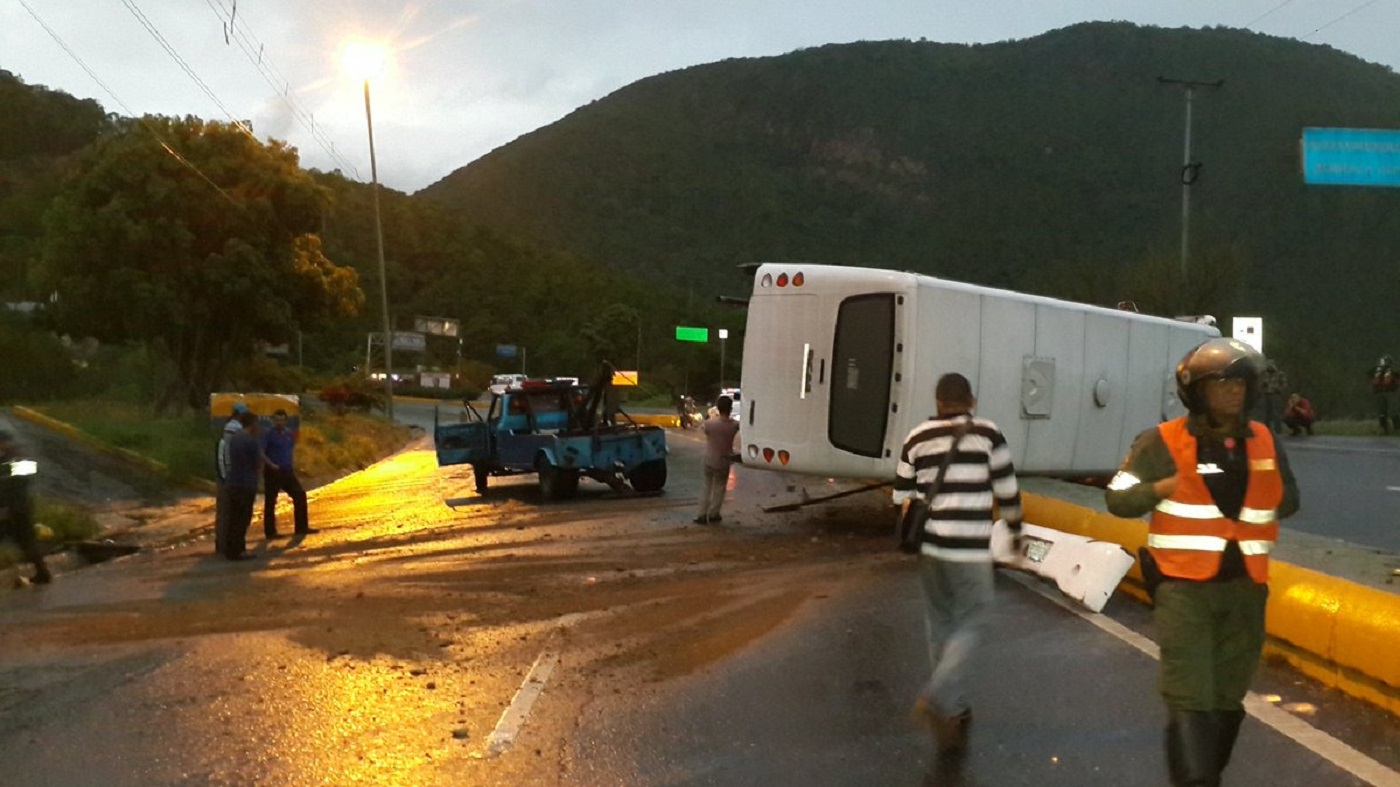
<point x="955" y="565"/>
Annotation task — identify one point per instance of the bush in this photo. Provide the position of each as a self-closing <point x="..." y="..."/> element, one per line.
<point x="358" y="393"/>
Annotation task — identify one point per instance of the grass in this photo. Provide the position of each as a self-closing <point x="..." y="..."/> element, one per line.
<point x="58" y="523"/>
<point x="330" y="445"/>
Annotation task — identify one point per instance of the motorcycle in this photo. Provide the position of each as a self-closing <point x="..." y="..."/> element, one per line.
<point x="689" y="413"/>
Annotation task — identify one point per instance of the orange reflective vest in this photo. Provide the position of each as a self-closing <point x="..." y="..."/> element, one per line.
<point x="1188" y="534"/>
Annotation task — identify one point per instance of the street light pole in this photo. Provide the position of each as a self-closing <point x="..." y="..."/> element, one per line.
<point x="383" y="279"/>
<point x="1189" y="171"/>
<point x="723" y="335"/>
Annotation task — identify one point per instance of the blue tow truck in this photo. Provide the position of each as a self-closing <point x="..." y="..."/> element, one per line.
<point x="553" y="429"/>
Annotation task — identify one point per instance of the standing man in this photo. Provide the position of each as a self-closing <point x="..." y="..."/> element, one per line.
<point x="242" y="459"/>
<point x="1384" y="383"/>
<point x="955" y="561"/>
<point x="279" y="474"/>
<point x="720" y="431"/>
<point x="1273" y="383"/>
<point x="1216" y="484"/>
<point x="220" y="472"/>
<point x="16" y="506"/>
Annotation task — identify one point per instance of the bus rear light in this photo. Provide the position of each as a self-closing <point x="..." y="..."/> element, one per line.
<point x="768" y="455"/>
<point x="767" y="280"/>
<point x="753" y="452"/>
<point x="783" y="457"/>
<point x="797" y="279"/>
<point x="782" y="280"/>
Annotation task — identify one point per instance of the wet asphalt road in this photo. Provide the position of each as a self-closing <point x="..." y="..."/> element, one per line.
<point x="600" y="641"/>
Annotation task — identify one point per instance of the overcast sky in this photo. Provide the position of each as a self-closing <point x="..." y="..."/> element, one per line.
<point x="467" y="76"/>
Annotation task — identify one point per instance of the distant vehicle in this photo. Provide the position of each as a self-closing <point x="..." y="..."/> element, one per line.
<point x="552" y="428"/>
<point x="840" y="363"/>
<point x="736" y="400"/>
<point x="501" y="382"/>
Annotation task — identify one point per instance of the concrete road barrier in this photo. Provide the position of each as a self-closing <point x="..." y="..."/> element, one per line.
<point x="1341" y="633"/>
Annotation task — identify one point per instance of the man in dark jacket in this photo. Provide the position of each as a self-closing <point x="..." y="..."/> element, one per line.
<point x="16" y="508"/>
<point x="279" y="475"/>
<point x="243" y="462"/>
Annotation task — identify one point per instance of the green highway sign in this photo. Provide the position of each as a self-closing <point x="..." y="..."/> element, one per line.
<point x="685" y="334"/>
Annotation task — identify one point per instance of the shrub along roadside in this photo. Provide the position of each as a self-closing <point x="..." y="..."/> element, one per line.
<point x="58" y="523"/>
<point x="330" y="445"/>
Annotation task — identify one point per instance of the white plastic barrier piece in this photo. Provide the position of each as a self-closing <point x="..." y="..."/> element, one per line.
<point x="1084" y="570"/>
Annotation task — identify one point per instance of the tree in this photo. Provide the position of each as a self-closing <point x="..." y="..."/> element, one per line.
<point x="196" y="240"/>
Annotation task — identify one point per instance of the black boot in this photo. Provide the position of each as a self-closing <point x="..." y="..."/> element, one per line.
<point x="1192" y="746"/>
<point x="1227" y="729"/>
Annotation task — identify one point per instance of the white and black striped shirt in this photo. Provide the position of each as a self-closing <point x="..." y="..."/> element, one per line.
<point x="959" y="526"/>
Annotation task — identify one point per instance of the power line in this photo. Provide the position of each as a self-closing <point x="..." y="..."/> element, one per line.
<point x="170" y="50"/>
<point x="147" y="126"/>
<point x="1361" y="7"/>
<point x="238" y="32"/>
<point x="1257" y="19"/>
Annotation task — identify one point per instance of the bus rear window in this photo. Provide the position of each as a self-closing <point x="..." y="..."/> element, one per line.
<point x="862" y="365"/>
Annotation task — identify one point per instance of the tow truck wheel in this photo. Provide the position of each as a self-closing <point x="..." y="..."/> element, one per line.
<point x="482" y="476"/>
<point x="556" y="484"/>
<point x="649" y="476"/>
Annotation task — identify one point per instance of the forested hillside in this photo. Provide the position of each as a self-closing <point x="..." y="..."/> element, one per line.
<point x="148" y="229"/>
<point x="1050" y="165"/>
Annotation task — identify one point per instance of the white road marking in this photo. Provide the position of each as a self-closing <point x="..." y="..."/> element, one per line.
<point x="503" y="737"/>
<point x="1306" y="735"/>
<point x="1392" y="489"/>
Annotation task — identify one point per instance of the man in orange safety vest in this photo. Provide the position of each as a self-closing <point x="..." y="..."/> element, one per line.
<point x="1216" y="484"/>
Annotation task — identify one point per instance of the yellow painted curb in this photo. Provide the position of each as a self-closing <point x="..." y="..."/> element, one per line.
<point x="1338" y="632"/>
<point x="130" y="457"/>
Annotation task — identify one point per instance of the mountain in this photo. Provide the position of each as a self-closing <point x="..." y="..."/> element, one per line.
<point x="1048" y="165"/>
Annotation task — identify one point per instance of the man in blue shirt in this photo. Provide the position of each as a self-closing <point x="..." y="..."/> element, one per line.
<point x="278" y="444"/>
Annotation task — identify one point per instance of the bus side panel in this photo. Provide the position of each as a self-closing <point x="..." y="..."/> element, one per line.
<point x="1183" y="338"/>
<point x="1059" y="337"/>
<point x="1008" y="337"/>
<point x="1098" y="448"/>
<point x="948" y="338"/>
<point x="1148" y="346"/>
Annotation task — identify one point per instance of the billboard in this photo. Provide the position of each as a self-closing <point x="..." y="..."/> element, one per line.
<point x="1351" y="157"/>
<point x="437" y="326"/>
<point x="409" y="341"/>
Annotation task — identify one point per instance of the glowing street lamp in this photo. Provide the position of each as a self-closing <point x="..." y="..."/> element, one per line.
<point x="366" y="60"/>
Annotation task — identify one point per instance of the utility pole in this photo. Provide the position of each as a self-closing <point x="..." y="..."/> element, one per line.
<point x="1190" y="170"/>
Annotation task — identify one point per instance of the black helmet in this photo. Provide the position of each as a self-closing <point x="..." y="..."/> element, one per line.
<point x="1218" y="359"/>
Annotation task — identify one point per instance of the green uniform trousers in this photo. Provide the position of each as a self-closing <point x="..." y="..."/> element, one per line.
<point x="1211" y="635"/>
